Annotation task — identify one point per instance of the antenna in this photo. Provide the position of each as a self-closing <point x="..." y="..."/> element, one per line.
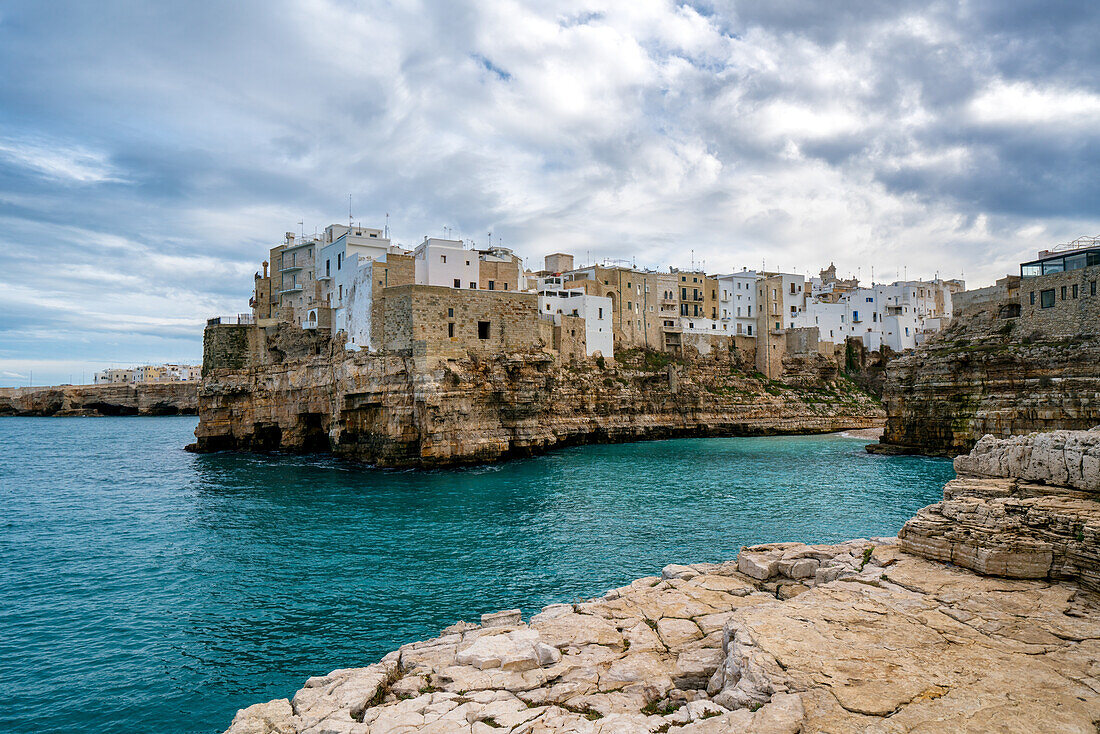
<point x="302" y="224"/>
<point x="349" y="211"/>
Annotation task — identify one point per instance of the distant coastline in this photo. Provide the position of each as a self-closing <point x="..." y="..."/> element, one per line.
<point x="141" y="399"/>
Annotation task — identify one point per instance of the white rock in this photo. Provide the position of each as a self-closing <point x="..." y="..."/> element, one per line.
<point x="506" y="618"/>
<point x="757" y="566"/>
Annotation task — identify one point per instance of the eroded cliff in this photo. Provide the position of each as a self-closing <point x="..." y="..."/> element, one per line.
<point x="990" y="373"/>
<point x="864" y="636"/>
<point x="156" y="398"/>
<point x="392" y="411"/>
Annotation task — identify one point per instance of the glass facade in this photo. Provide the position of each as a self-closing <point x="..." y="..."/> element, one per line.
<point x="1060" y="263"/>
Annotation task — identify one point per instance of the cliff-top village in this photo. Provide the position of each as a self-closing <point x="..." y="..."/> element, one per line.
<point x="444" y="299"/>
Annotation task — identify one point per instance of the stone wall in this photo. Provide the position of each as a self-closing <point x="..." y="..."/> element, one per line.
<point x="1076" y="306"/>
<point x="569" y="339"/>
<point x="505" y="276"/>
<point x="449" y="323"/>
<point x="226" y="346"/>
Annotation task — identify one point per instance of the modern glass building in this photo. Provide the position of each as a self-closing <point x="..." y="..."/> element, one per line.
<point x="1060" y="262"/>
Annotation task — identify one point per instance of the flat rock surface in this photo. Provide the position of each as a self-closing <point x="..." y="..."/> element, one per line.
<point x="876" y="640"/>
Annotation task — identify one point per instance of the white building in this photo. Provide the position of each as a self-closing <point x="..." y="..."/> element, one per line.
<point x="183" y="372"/>
<point x="555" y="300"/>
<point x="737" y="302"/>
<point x="446" y="263"/>
<point x="900" y="315"/>
<point x="347" y="252"/>
<point x="700" y="325"/>
<point x="113" y="375"/>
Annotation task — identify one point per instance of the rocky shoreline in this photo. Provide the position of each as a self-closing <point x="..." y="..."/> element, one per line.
<point x="146" y="399"/>
<point x="881" y="635"/>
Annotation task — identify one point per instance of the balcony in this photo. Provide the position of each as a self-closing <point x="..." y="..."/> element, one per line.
<point x="290" y="268"/>
<point x="296" y="288"/>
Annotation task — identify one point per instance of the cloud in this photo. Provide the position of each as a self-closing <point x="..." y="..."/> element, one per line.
<point x="57" y="162"/>
<point x="177" y="142"/>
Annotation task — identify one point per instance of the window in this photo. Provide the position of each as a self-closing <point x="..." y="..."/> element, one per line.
<point x="1063" y="293"/>
<point x="750" y="329"/>
<point x="458" y="283"/>
<point x="482" y="329"/>
<point x="442" y="258"/>
<point x="467" y="262"/>
<point x="451" y="330"/>
<point x="341" y="293"/>
<point x="1075" y="291"/>
<point x="492" y="286"/>
<point x="473" y="286"/>
<point x="505" y="286"/>
<point x="1092" y="288"/>
<point x="683" y="294"/>
<point x="339" y="260"/>
<point x="855" y="316"/>
<point x="450" y="313"/>
<point x="1032" y="298"/>
<point x="777" y="326"/>
<point x="600" y="316"/>
<point x="328" y="271"/>
<point x="1046" y="298"/>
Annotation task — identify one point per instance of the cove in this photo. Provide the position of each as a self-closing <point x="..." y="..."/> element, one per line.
<point x="143" y="585"/>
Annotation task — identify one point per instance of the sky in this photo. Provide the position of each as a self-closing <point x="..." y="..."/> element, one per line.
<point x="151" y="153"/>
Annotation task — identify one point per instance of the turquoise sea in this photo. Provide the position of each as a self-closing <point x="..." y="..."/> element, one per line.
<point x="144" y="589"/>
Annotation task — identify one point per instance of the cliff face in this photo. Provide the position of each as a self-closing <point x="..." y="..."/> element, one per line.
<point x="1025" y="507"/>
<point x="989" y="375"/>
<point x="864" y="636"/>
<point x="161" y="398"/>
<point x="391" y="411"/>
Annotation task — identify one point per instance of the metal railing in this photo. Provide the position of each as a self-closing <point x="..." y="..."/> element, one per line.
<point x="241" y="319"/>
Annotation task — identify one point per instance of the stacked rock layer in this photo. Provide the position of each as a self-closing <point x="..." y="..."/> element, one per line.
<point x="392" y="411"/>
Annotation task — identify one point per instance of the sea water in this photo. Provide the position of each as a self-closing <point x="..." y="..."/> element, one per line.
<point x="143" y="588"/>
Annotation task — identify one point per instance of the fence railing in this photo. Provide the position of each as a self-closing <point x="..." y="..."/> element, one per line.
<point x="240" y="319"/>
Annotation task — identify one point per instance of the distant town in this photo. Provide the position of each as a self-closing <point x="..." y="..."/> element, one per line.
<point x="453" y="298"/>
<point x="149" y="373"/>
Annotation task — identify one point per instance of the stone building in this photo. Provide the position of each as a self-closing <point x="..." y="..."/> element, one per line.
<point x="438" y="323"/>
<point x="499" y="269"/>
<point x="1054" y="296"/>
<point x="1058" y="292"/>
